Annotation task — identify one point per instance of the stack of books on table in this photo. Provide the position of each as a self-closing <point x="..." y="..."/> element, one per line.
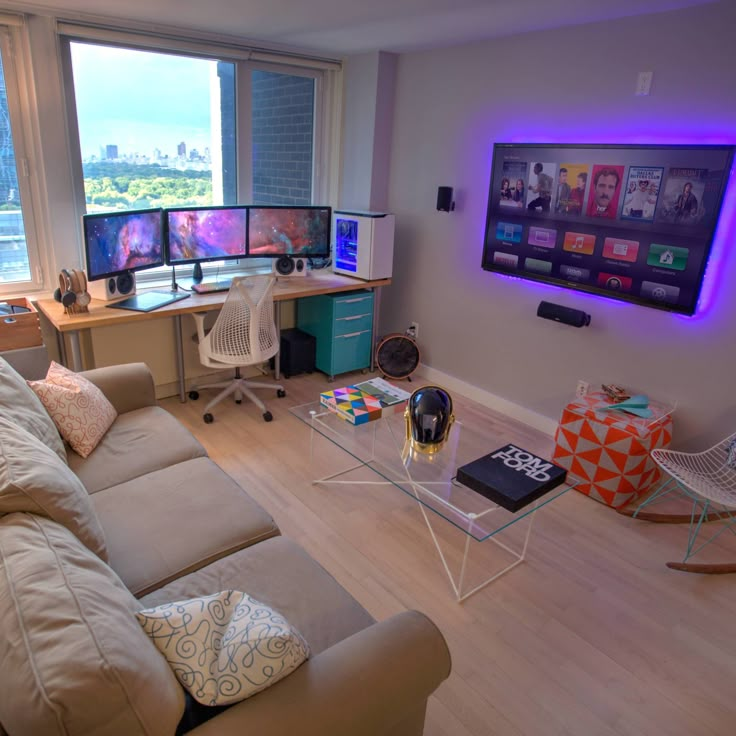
<point x="363" y="402"/>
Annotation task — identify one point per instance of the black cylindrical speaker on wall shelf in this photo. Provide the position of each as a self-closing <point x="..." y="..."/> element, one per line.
<point x="567" y="315"/>
<point x="444" y="199"/>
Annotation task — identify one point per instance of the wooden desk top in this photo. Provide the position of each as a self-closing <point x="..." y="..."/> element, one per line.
<point x="100" y="316"/>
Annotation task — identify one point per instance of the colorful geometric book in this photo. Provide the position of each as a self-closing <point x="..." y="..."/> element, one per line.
<point x="365" y="401"/>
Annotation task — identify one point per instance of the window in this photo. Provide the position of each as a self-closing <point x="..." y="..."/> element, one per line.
<point x="161" y="129"/>
<point x="19" y="268"/>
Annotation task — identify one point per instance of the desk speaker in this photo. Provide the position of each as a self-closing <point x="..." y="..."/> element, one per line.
<point x="566" y="315"/>
<point x="289" y="266"/>
<point x="114" y="287"/>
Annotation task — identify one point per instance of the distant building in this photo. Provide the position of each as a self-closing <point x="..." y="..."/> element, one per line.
<point x="181" y="150"/>
<point x="8" y="173"/>
<point x="111" y="152"/>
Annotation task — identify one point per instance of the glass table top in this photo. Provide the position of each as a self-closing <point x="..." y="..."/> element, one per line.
<point x="381" y="446"/>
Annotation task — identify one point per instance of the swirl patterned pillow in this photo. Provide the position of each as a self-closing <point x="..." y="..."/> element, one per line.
<point x="224" y="647"/>
<point x="78" y="408"/>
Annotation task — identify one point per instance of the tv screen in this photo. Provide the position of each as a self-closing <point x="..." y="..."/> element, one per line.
<point x="115" y="242"/>
<point x="200" y="234"/>
<point x="290" y="231"/>
<point x="629" y="222"/>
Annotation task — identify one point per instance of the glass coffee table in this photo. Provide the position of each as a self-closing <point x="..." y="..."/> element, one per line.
<point x="381" y="447"/>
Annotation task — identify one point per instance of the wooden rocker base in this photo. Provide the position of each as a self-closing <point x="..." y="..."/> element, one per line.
<point x="704" y="569"/>
<point x="662" y="518"/>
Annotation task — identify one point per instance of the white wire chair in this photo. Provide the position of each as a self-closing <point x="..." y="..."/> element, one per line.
<point x="244" y="334"/>
<point x="708" y="478"/>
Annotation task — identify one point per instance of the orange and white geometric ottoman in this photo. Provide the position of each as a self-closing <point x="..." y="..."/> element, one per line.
<point x="608" y="451"/>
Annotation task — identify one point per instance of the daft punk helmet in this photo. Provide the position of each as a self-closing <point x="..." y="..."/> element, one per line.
<point x="428" y="418"/>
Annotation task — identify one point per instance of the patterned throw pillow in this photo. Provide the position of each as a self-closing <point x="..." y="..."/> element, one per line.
<point x="225" y="647"/>
<point x="78" y="408"/>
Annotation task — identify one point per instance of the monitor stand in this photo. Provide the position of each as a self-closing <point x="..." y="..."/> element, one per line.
<point x="197" y="273"/>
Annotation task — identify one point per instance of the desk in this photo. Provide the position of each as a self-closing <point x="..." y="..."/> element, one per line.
<point x="285" y="290"/>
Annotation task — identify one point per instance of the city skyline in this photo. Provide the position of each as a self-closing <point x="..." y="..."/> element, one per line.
<point x="167" y="99"/>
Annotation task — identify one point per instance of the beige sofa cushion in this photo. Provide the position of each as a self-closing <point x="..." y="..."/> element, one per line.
<point x="77" y="661"/>
<point x="176" y="520"/>
<point x="282" y="575"/>
<point x="33" y="479"/>
<point x="139" y="442"/>
<point x="19" y="404"/>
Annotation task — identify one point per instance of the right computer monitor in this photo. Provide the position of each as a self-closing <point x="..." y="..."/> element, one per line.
<point x="289" y="231"/>
<point x="201" y="234"/>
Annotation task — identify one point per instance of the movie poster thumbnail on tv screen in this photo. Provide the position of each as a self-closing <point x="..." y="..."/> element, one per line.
<point x="633" y="223"/>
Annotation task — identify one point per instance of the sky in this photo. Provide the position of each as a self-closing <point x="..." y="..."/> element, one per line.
<point x="140" y="100"/>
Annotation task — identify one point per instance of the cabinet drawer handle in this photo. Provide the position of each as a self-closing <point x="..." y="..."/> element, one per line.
<point x="353" y="301"/>
<point x="352" y="334"/>
<point x="350" y="319"/>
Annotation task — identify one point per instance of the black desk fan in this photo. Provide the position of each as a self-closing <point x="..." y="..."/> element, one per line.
<point x="397" y="356"/>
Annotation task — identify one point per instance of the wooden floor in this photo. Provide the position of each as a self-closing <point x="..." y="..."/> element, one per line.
<point x="591" y="636"/>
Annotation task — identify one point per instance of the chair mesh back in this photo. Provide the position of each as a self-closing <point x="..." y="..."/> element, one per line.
<point x="245" y="331"/>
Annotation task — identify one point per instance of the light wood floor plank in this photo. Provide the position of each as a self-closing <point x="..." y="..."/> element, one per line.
<point x="591" y="636"/>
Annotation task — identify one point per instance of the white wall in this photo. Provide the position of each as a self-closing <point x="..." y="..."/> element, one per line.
<point x="568" y="85"/>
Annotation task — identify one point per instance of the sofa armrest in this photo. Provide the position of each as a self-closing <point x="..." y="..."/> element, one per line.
<point x="365" y="685"/>
<point x="127" y="386"/>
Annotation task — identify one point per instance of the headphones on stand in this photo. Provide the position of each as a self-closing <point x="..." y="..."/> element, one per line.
<point x="72" y="291"/>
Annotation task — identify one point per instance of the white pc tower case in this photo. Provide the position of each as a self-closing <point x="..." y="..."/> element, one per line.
<point x="364" y="244"/>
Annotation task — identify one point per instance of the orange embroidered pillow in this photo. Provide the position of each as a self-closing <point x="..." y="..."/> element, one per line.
<point x="77" y="407"/>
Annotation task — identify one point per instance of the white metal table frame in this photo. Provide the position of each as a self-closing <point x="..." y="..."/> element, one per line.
<point x="457" y="582"/>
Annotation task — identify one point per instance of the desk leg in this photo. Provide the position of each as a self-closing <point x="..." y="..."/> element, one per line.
<point x="179" y="358"/>
<point x="277" y="357"/>
<point x="61" y="345"/>
<point x="76" y="351"/>
<point x="376" y="305"/>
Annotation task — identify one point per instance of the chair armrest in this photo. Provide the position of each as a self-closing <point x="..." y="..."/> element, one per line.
<point x="364" y="685"/>
<point x="127" y="386"/>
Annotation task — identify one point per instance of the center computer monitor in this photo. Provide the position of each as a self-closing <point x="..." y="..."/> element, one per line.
<point x="289" y="231"/>
<point x="119" y="242"/>
<point x="200" y="234"/>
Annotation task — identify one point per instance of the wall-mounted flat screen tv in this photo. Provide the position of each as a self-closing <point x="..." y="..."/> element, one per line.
<point x="629" y="222"/>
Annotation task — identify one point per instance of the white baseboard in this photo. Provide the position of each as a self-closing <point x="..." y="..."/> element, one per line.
<point x="486" y="398"/>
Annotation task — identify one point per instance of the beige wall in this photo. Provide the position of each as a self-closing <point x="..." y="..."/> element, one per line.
<point x="568" y="85"/>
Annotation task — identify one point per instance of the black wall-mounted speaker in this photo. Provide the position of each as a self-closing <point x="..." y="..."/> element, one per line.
<point x="566" y="315"/>
<point x="444" y="199"/>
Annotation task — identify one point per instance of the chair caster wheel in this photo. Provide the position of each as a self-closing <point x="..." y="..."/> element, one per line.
<point x="238" y="401"/>
<point x="281" y="393"/>
<point x="194" y="395"/>
<point x="208" y="418"/>
<point x="267" y="416"/>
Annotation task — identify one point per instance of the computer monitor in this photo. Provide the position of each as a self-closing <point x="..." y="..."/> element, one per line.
<point x="119" y="242"/>
<point x="200" y="234"/>
<point x="289" y="231"/>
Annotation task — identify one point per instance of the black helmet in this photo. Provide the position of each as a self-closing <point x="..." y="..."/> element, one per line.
<point x="428" y="417"/>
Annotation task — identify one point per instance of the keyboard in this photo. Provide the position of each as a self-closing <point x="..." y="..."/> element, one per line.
<point x="211" y="287"/>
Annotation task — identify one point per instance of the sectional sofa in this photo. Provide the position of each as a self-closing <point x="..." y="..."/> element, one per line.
<point x="147" y="518"/>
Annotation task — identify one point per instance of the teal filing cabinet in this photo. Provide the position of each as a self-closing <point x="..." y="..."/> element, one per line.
<point x="343" y="325"/>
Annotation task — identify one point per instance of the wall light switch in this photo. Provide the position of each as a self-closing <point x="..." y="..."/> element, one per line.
<point x="643" y="84"/>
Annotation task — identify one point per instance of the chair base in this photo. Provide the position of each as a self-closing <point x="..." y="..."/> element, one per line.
<point x="238" y="388"/>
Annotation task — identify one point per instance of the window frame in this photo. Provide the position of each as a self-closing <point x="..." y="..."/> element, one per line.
<point x="13" y="46"/>
<point x="327" y="78"/>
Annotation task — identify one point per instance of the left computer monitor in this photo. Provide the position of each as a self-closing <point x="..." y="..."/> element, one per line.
<point x="200" y="234"/>
<point x="119" y="242"/>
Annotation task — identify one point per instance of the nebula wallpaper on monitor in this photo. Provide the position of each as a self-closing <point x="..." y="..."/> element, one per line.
<point x="206" y="234"/>
<point x="297" y="231"/>
<point x="122" y="241"/>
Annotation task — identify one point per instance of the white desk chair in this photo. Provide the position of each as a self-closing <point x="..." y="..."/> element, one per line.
<point x="244" y="334"/>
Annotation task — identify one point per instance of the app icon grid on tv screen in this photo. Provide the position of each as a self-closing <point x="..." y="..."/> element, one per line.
<point x="629" y="222"/>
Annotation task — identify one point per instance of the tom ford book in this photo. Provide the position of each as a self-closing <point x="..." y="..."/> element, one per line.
<point x="511" y="476"/>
